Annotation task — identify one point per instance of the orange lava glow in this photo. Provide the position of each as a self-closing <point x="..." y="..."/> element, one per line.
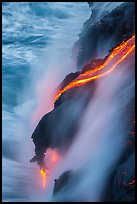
<point x="43" y="173"/>
<point x="51" y="159"/>
<point x="54" y="157"/>
<point x="118" y="54"/>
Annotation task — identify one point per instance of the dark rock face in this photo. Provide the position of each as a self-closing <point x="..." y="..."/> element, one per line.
<point x="70" y="77"/>
<point x="103" y="35"/>
<point x="62" y="181"/>
<point x="99" y="10"/>
<point x="123" y="188"/>
<point x="92" y="65"/>
<point x="58" y="128"/>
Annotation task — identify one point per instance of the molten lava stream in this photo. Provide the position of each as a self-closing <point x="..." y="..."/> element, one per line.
<point x="115" y="51"/>
<point x="118" y="54"/>
<point x="43" y="173"/>
<point x="52" y="158"/>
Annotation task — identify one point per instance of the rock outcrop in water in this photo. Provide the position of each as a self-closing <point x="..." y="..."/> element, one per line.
<point x="58" y="128"/>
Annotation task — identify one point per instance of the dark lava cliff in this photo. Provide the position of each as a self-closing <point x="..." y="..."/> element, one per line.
<point x="57" y="129"/>
<point x="103" y="35"/>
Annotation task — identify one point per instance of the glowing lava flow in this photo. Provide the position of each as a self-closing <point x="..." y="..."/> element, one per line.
<point x="132" y="182"/>
<point x="52" y="158"/>
<point x="118" y="54"/>
<point x="43" y="173"/>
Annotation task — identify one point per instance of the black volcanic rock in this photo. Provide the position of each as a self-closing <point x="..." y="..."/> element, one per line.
<point x="70" y="77"/>
<point x="123" y="188"/>
<point x="62" y="181"/>
<point x="100" y="37"/>
<point x="92" y="65"/>
<point x="57" y="128"/>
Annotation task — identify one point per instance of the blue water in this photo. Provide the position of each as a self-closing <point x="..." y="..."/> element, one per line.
<point x="37" y="41"/>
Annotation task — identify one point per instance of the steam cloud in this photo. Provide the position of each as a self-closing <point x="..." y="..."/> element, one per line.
<point x="100" y="139"/>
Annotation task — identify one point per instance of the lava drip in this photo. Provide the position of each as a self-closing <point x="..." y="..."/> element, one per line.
<point x="43" y="174"/>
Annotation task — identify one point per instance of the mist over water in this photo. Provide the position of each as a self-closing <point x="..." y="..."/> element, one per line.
<point x="37" y="39"/>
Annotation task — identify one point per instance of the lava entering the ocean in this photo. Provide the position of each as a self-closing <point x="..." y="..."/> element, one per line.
<point x="43" y="173"/>
<point x="52" y="157"/>
<point x="117" y="55"/>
